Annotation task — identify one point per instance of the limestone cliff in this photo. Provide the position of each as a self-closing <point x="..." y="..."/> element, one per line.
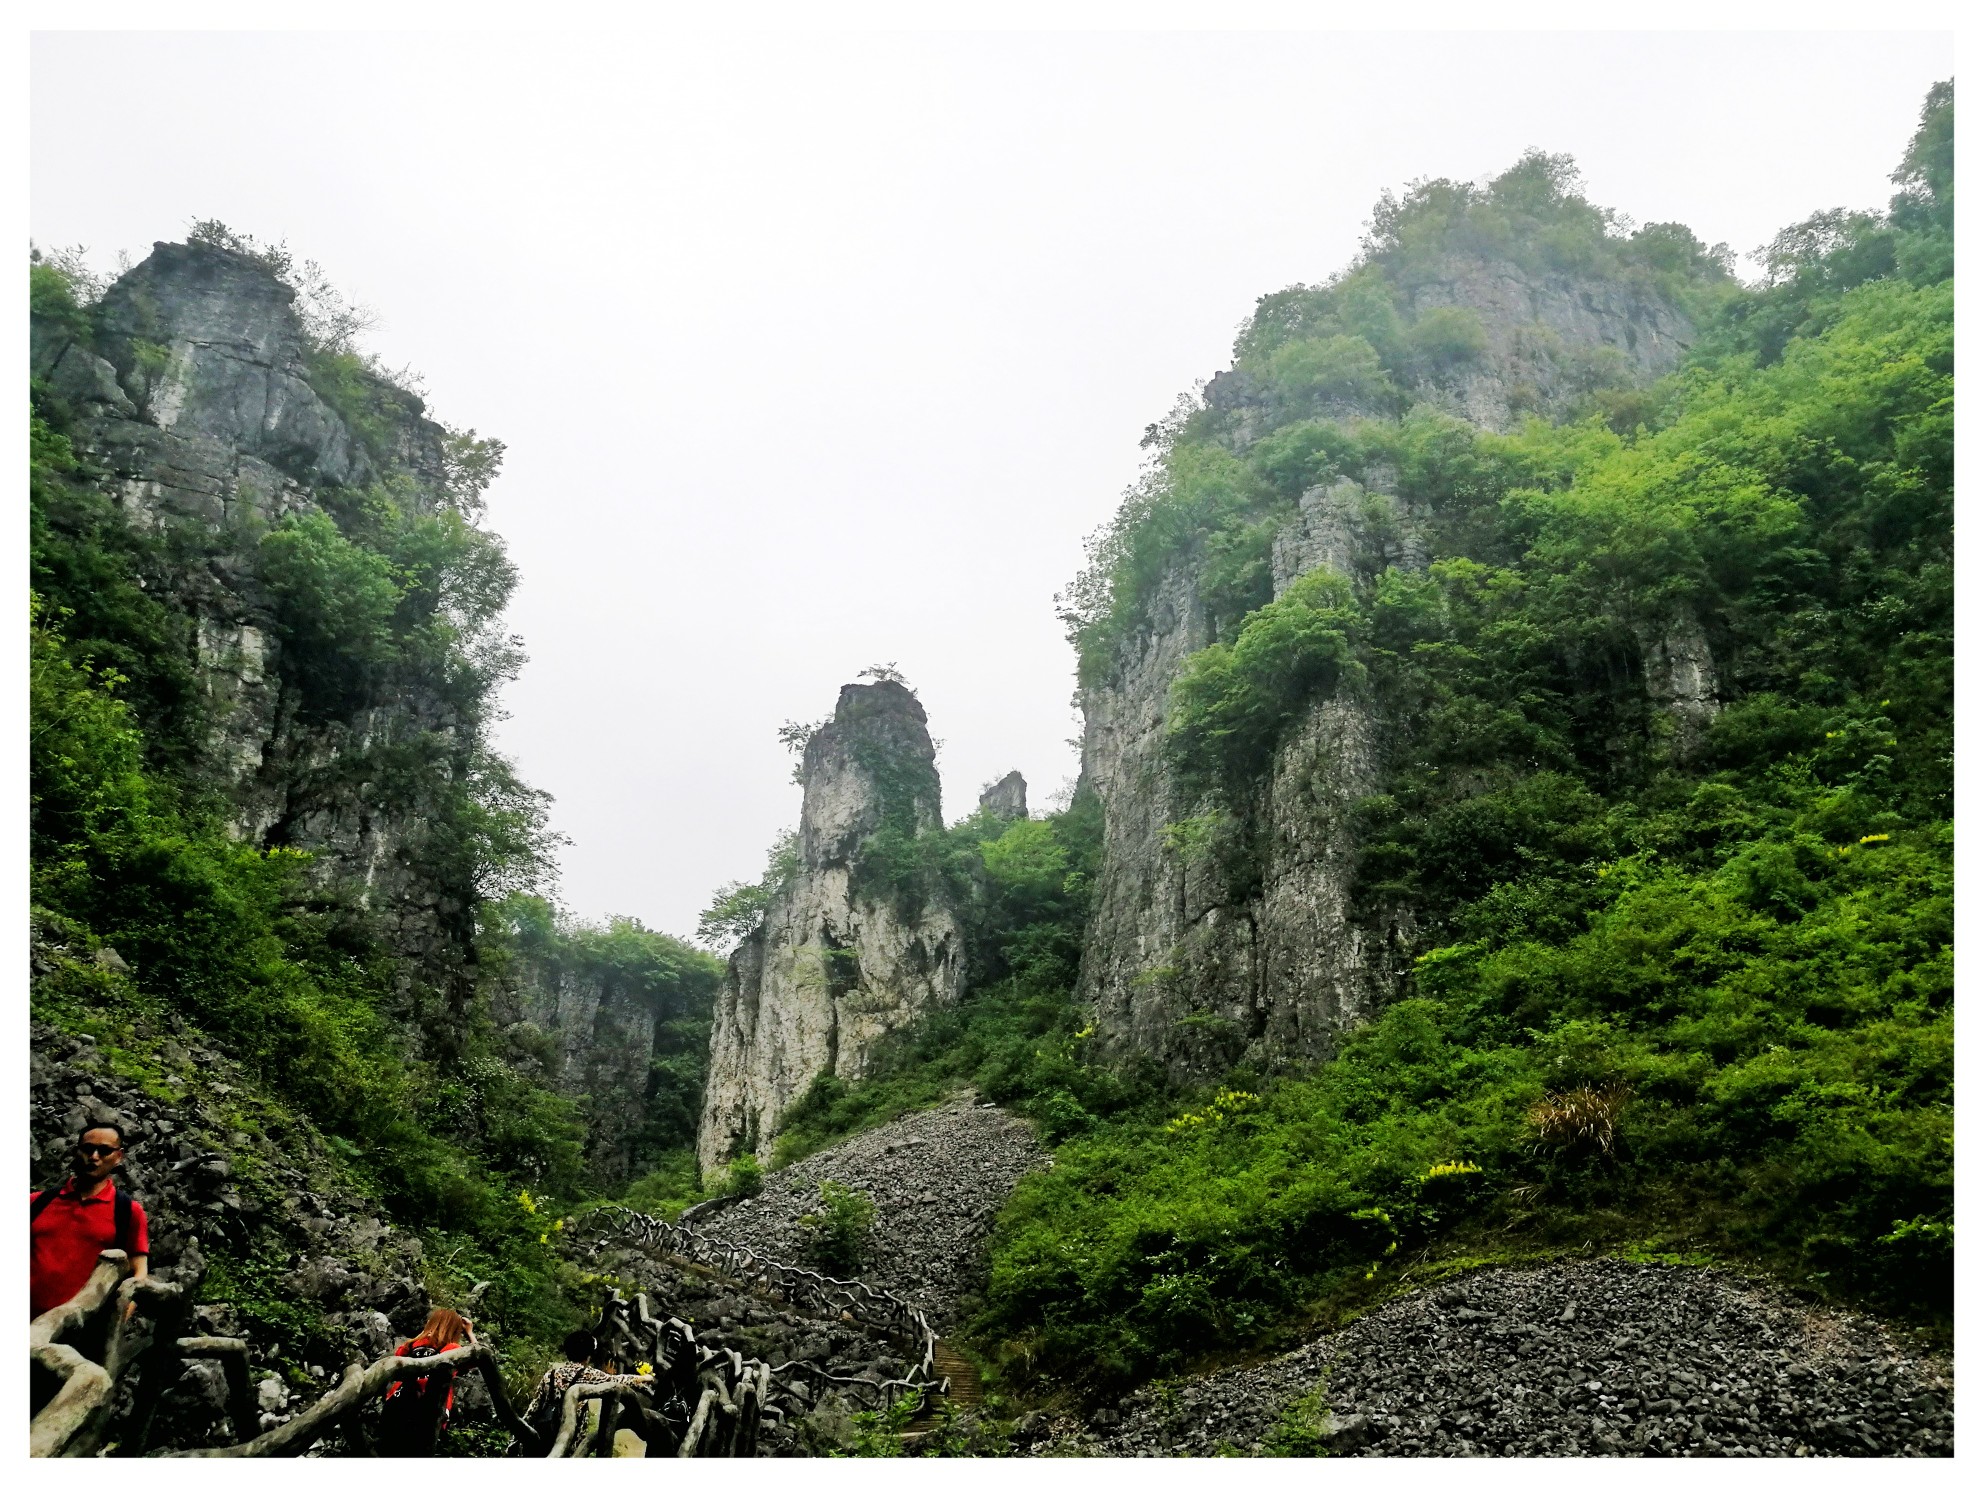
<point x="856" y="943"/>
<point x="1187" y="961"/>
<point x="617" y="1017"/>
<point x="1005" y="797"/>
<point x="208" y="415"/>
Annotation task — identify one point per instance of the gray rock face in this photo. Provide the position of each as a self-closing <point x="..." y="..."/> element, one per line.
<point x="1680" y="678"/>
<point x="849" y="949"/>
<point x="207" y="345"/>
<point x="606" y="1034"/>
<point x="1005" y="798"/>
<point x="1551" y="339"/>
<point x="1181" y="964"/>
<point x="197" y="400"/>
<point x="1193" y="965"/>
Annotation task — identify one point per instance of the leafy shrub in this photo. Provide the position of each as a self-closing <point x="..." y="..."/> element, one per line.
<point x="1232" y="704"/>
<point x="836" y="1240"/>
<point x="1326" y="370"/>
<point x="1188" y="490"/>
<point x="668" y="1187"/>
<point x="739" y="908"/>
<point x="1448" y="337"/>
<point x="744" y="1179"/>
<point x="335" y="603"/>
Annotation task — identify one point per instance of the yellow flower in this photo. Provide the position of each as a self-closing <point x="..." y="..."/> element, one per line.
<point x="1450" y="1170"/>
<point x="1877" y="837"/>
<point x="644" y="1367"/>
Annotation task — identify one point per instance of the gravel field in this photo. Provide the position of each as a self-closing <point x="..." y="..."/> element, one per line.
<point x="1599" y="1358"/>
<point x="938" y="1179"/>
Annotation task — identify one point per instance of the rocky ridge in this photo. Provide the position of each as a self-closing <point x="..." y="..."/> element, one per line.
<point x="1601" y="1358"/>
<point x="194" y="393"/>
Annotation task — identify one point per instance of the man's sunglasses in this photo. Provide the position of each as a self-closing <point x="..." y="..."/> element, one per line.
<point x="96" y="1149"/>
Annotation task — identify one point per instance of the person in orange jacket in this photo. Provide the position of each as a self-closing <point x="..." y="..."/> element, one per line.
<point x="410" y="1431"/>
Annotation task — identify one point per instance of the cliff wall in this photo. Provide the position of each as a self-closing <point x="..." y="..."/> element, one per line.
<point x="618" y="1018"/>
<point x="210" y="419"/>
<point x="1188" y="960"/>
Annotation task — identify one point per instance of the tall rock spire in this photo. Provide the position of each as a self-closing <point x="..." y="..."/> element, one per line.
<point x="861" y="940"/>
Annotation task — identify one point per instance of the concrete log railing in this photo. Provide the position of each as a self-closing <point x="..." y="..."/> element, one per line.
<point x="129" y="1311"/>
<point x="732" y="1395"/>
<point x="731" y="1389"/>
<point x="706" y="1402"/>
<point x="802" y="1288"/>
<point x="579" y="1436"/>
<point x="363" y="1382"/>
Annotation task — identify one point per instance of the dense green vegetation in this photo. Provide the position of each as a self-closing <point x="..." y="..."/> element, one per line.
<point x="1734" y="952"/>
<point x="1326" y="356"/>
<point x="392" y="1063"/>
<point x="837" y="1230"/>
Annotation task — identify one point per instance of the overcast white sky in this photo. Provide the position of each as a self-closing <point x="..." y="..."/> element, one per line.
<point x="814" y="352"/>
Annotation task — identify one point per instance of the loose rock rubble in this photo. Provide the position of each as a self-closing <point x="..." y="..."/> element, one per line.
<point x="1600" y="1358"/>
<point x="938" y="1179"/>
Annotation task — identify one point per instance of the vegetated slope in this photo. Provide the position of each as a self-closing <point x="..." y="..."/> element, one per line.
<point x="267" y="826"/>
<point x="1681" y="977"/>
<point x="1231" y="726"/>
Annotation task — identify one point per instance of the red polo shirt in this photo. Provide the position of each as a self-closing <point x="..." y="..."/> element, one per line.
<point x="67" y="1236"/>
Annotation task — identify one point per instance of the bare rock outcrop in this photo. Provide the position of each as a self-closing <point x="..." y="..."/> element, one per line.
<point x="863" y="939"/>
<point x="1005" y="797"/>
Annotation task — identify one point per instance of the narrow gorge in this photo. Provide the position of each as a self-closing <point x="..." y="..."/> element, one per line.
<point x="1489" y="990"/>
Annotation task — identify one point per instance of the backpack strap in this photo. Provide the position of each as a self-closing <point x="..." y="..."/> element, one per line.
<point x="127" y="1225"/>
<point x="39" y="1204"/>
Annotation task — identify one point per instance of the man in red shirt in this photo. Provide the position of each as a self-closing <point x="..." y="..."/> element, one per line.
<point x="68" y="1226"/>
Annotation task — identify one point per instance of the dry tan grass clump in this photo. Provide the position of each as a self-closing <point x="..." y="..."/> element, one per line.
<point x="1581" y="1120"/>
